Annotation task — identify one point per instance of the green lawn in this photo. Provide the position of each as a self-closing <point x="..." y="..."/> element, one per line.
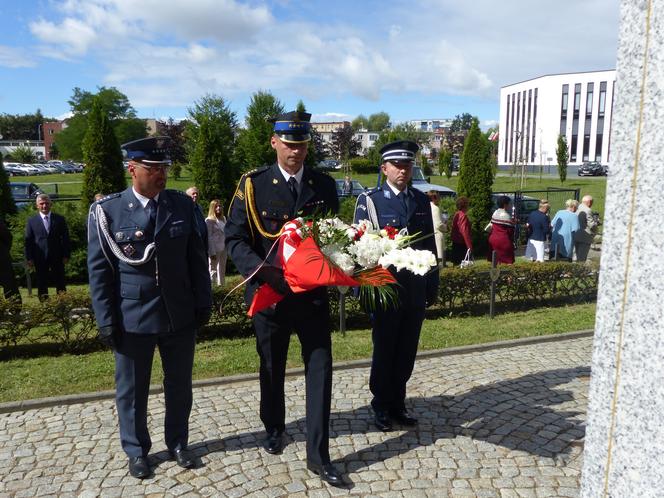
<point x="29" y="378"/>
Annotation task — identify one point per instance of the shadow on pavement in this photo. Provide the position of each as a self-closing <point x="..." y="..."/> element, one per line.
<point x="518" y="414"/>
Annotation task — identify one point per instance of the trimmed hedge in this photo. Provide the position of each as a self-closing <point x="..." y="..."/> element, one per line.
<point x="65" y="323"/>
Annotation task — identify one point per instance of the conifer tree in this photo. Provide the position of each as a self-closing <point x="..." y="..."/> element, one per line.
<point x="253" y="142"/>
<point x="103" y="172"/>
<point x="7" y="205"/>
<point x="212" y="162"/>
<point x="562" y="155"/>
<point x="476" y="179"/>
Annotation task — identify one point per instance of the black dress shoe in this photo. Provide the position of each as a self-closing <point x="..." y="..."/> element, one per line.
<point x="327" y="472"/>
<point x="402" y="417"/>
<point x="382" y="421"/>
<point x="138" y="467"/>
<point x="183" y="458"/>
<point x="274" y="442"/>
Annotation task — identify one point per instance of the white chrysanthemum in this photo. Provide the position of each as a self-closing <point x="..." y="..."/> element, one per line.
<point x="415" y="261"/>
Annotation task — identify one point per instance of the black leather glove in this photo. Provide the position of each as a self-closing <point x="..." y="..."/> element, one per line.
<point x="274" y="277"/>
<point x="109" y="336"/>
<point x="202" y="316"/>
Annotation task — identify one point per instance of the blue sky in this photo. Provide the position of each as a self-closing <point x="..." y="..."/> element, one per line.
<point x="412" y="59"/>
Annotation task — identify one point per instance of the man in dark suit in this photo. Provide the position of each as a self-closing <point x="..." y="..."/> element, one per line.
<point x="264" y="200"/>
<point x="47" y="246"/>
<point x="396" y="331"/>
<point x="7" y="277"/>
<point x="150" y="287"/>
<point x="200" y="217"/>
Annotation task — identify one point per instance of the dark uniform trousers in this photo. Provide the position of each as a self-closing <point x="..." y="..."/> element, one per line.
<point x="133" y="366"/>
<point x="310" y="319"/>
<point x="305" y="313"/>
<point x="396" y="332"/>
<point x="149" y="311"/>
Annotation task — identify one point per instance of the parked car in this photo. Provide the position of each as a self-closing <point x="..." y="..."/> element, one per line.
<point x="24" y="193"/>
<point x="329" y="165"/>
<point x="357" y="188"/>
<point x="420" y="182"/>
<point x="526" y="206"/>
<point x="591" y="169"/>
<point x="13" y="170"/>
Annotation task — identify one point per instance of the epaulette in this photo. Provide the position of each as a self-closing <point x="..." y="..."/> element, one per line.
<point x="109" y="197"/>
<point x="372" y="190"/>
<point x="257" y="171"/>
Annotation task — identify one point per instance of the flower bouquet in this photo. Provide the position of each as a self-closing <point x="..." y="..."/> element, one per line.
<point x="328" y="252"/>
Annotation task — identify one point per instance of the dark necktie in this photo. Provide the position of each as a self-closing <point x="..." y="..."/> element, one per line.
<point x="151" y="208"/>
<point x="292" y="185"/>
<point x="403" y="198"/>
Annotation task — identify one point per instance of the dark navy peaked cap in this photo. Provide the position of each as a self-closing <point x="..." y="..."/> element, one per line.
<point x="151" y="150"/>
<point x="401" y="150"/>
<point x="293" y="127"/>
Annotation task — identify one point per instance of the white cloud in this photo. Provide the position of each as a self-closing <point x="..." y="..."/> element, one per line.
<point x="331" y="116"/>
<point x="170" y="53"/>
<point x="15" y="57"/>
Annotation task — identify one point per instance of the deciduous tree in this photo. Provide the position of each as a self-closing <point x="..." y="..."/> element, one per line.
<point x="462" y="122"/>
<point x="343" y="144"/>
<point x="445" y="163"/>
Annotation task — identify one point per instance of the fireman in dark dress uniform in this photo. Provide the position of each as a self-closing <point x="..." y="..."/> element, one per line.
<point x="264" y="200"/>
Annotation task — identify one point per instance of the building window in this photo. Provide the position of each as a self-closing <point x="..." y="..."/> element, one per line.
<point x="423" y="126"/>
<point x="512" y="128"/>
<point x="508" y="129"/>
<point x="575" y="122"/>
<point x="373" y="138"/>
<point x="563" y="111"/>
<point x="530" y="100"/>
<point x="534" y="120"/>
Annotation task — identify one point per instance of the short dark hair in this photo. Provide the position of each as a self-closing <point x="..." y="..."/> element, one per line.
<point x="503" y="201"/>
<point x="462" y="202"/>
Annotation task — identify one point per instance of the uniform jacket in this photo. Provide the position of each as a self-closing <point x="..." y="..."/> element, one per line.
<point x="162" y="294"/>
<point x="42" y="246"/>
<point x="273" y="205"/>
<point x="415" y="289"/>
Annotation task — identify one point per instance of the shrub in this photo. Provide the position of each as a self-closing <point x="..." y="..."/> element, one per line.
<point x="69" y="319"/>
<point x="363" y="166"/>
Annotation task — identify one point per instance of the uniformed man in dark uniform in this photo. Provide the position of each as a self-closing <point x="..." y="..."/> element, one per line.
<point x="396" y="331"/>
<point x="150" y="287"/>
<point x="264" y="200"/>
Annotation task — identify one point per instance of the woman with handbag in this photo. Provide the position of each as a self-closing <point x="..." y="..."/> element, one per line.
<point x="216" y="222"/>
<point x="462" y="242"/>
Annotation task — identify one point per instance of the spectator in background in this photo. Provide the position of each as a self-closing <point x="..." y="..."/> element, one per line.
<point x="47" y="247"/>
<point x="501" y="237"/>
<point x="216" y="222"/>
<point x="99" y="196"/>
<point x="348" y="186"/>
<point x="462" y="240"/>
<point x="564" y="225"/>
<point x="587" y="229"/>
<point x="439" y="225"/>
<point x="7" y="277"/>
<point x="538" y="227"/>
<point x="200" y="219"/>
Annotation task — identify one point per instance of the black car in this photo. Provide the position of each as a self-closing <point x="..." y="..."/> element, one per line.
<point x="591" y="169"/>
<point x="24" y="193"/>
<point x="526" y="206"/>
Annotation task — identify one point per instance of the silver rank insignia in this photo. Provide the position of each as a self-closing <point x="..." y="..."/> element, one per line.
<point x="139" y="234"/>
<point x="119" y="236"/>
<point x="129" y="250"/>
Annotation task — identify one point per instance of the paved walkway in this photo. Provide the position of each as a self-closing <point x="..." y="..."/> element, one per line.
<point x="498" y="423"/>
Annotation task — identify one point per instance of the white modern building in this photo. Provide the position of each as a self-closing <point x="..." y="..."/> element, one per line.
<point x="535" y="112"/>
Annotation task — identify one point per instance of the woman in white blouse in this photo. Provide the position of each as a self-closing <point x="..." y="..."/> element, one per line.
<point x="216" y="221"/>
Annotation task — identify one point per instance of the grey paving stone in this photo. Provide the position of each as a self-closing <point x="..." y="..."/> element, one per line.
<point x="499" y="423"/>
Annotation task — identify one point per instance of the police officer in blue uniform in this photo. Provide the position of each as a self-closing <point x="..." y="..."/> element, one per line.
<point x="264" y="200"/>
<point x="150" y="287"/>
<point x="396" y="331"/>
